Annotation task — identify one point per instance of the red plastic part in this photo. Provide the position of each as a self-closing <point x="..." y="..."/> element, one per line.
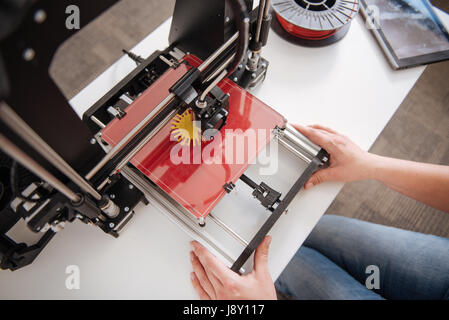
<point x="305" y="33"/>
<point x="198" y="186"/>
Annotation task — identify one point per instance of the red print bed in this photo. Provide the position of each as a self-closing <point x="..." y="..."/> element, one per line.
<point x="196" y="184"/>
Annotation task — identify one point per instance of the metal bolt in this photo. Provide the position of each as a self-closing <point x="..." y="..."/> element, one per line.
<point x="240" y="66"/>
<point x="201" y="104"/>
<point x="111" y="225"/>
<point x="264" y="65"/>
<point x="112" y="196"/>
<point x="93" y="141"/>
<point x="131" y="187"/>
<point x="253" y="75"/>
<point x="126" y="209"/>
<point x="236" y="79"/>
<point x="40" y="16"/>
<point x="29" y="54"/>
<point x="227" y="19"/>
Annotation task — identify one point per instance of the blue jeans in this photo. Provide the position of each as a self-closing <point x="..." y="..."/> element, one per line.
<point x="332" y="263"/>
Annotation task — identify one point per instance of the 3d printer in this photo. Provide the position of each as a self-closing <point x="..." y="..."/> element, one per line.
<point x="121" y="153"/>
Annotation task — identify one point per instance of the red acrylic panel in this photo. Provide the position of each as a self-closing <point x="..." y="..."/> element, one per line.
<point x="197" y="183"/>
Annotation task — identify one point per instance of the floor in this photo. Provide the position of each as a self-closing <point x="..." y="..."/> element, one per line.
<point x="418" y="131"/>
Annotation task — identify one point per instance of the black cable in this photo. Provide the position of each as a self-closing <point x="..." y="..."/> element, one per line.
<point x="137" y="59"/>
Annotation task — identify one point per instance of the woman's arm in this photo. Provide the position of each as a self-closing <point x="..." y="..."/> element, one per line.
<point x="427" y="183"/>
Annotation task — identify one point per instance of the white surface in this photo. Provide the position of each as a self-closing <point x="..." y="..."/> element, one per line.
<point x="348" y="86"/>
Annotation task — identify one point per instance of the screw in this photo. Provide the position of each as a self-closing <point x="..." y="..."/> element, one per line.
<point x="235" y="79"/>
<point x="29" y="54"/>
<point x="126" y="209"/>
<point x="227" y="19"/>
<point x="111" y="225"/>
<point x="40" y="16"/>
<point x="253" y="75"/>
<point x="93" y="141"/>
<point x="131" y="187"/>
<point x="240" y="66"/>
<point x="112" y="196"/>
<point x="264" y="65"/>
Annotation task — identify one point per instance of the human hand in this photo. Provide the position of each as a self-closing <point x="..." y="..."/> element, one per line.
<point x="348" y="162"/>
<point x="214" y="280"/>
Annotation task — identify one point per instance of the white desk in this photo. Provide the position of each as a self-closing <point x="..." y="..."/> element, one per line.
<point x="348" y="86"/>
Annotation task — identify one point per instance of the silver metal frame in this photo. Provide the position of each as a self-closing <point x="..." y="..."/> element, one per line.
<point x="287" y="136"/>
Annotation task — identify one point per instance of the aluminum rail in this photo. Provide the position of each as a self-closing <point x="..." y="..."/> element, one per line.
<point x="14" y="152"/>
<point x="23" y="130"/>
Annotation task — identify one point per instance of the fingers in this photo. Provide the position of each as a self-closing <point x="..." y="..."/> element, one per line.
<point x="320" y="177"/>
<point x="198" y="288"/>
<point x="321" y="127"/>
<point x="261" y="255"/>
<point x="202" y="277"/>
<point x="317" y="136"/>
<point x="211" y="263"/>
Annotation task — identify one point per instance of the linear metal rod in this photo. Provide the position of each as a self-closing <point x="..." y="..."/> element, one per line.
<point x="98" y="122"/>
<point x="260" y="16"/>
<point x="294" y="134"/>
<point x="231" y="232"/>
<point x="14" y="152"/>
<point x="23" y="130"/>
<point x="266" y="10"/>
<point x="122" y="143"/>
<point x="294" y="150"/>
<point x="219" y="51"/>
<point x="145" y="140"/>
<point x="220" y="69"/>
